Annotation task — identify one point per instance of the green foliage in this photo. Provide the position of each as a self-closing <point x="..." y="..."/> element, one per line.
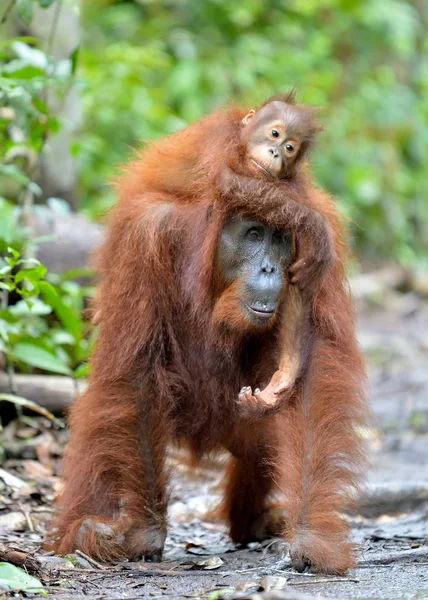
<point x="41" y="315"/>
<point x="44" y="328"/>
<point x="148" y="68"/>
<point x="26" y="73"/>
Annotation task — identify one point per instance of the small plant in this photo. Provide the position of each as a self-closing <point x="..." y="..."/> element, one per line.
<point x="43" y="328"/>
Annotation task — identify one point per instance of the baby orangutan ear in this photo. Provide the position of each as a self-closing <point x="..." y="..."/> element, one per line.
<point x="316" y="125"/>
<point x="248" y="116"/>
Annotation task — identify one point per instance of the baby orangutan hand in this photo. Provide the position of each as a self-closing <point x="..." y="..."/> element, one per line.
<point x="262" y="402"/>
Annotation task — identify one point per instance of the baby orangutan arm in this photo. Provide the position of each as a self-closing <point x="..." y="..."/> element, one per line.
<point x="283" y="204"/>
<point x="260" y="402"/>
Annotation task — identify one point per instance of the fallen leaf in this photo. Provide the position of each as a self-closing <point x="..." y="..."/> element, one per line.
<point x="197" y="551"/>
<point x="194" y="543"/>
<point x="13" y="521"/>
<point x="37" y="470"/>
<point x="245" y="586"/>
<point x="26" y="433"/>
<point x="211" y="563"/>
<point x="43" y="450"/>
<point x="273" y="582"/>
<point x="17" y="580"/>
<point x="11" y="481"/>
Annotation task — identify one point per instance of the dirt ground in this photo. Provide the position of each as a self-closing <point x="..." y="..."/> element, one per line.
<point x="391" y="530"/>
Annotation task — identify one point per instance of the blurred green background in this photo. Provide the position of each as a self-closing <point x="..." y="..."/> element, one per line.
<point x="144" y="68"/>
<point x="148" y="68"/>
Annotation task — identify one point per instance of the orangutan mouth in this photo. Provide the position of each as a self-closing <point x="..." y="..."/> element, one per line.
<point x="263" y="313"/>
<point x="262" y="168"/>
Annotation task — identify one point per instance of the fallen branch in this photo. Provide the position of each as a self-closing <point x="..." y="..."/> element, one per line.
<point x="53" y="392"/>
<point x="413" y="555"/>
<point x="92" y="561"/>
<point x="30" y="404"/>
<point x="20" y="559"/>
<point x="392" y="277"/>
<point x="325" y="580"/>
<point x="382" y="498"/>
<point x="366" y="285"/>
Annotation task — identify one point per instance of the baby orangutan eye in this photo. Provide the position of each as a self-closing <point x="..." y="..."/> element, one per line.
<point x="289" y="147"/>
<point x="275" y="133"/>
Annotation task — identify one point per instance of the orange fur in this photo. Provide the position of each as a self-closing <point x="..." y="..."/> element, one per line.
<point x="173" y="352"/>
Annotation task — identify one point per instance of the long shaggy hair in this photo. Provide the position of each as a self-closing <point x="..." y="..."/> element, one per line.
<point x="165" y="370"/>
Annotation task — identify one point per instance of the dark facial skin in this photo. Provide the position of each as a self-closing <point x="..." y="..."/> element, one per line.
<point x="277" y="136"/>
<point x="257" y="256"/>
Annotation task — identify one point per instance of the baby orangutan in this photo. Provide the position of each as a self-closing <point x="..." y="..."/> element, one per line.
<point x="277" y="137"/>
<point x="275" y="140"/>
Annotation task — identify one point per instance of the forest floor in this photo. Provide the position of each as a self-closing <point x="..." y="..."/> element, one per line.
<point x="391" y="530"/>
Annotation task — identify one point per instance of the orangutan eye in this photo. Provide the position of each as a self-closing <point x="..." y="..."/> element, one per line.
<point x="289" y="147"/>
<point x="275" y="133"/>
<point x="253" y="233"/>
<point x="280" y="237"/>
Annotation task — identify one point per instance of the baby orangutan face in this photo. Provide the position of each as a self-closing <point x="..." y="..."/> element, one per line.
<point x="277" y="136"/>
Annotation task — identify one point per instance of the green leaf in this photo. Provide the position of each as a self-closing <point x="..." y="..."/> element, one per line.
<point x="62" y="338"/>
<point x="32" y="274"/>
<point x="77" y="273"/>
<point x="35" y="356"/>
<point x="25" y="10"/>
<point x="31" y="56"/>
<point x="49" y="289"/>
<point x="74" y="59"/>
<point x="4" y="331"/>
<point x="28" y="291"/>
<point x="7" y="220"/>
<point x="28" y="39"/>
<point x="45" y="3"/>
<point x="35" y="188"/>
<point x="68" y="316"/>
<point x="28" y="261"/>
<point x="15" y="253"/>
<point x="15" y="579"/>
<point x="14" y="173"/>
<point x="218" y="593"/>
<point x="41" y="105"/>
<point x="17" y="71"/>
<point x="22" y="308"/>
<point x="82" y="370"/>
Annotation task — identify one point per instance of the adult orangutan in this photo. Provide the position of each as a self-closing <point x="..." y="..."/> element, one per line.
<point x="193" y="296"/>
